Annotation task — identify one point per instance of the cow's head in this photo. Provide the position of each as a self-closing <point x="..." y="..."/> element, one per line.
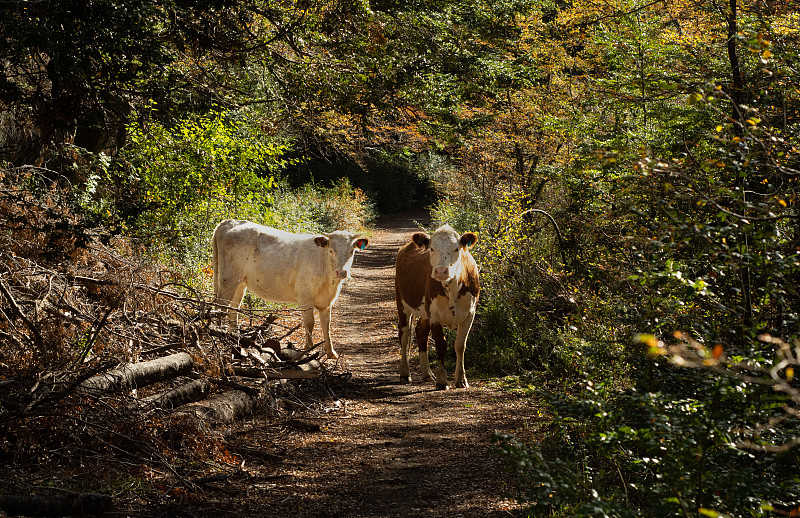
<point x="340" y="247"/>
<point x="445" y="247"/>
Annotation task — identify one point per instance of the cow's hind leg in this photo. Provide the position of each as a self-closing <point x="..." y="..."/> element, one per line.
<point x="423" y="329"/>
<point x="404" y="325"/>
<point x="325" y="322"/>
<point x="231" y="294"/>
<point x="441" y="353"/>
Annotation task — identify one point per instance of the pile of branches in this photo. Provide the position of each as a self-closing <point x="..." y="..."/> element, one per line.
<point x="108" y="364"/>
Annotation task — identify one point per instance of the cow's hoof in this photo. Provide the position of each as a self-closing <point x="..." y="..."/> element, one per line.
<point x="462" y="384"/>
<point x="442" y="386"/>
<point x="429" y="377"/>
<point x="405" y="380"/>
<point x="332" y="354"/>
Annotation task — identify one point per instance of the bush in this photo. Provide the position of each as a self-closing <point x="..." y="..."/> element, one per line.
<point x="174" y="184"/>
<point x="314" y="208"/>
<point x="525" y="302"/>
<point x="705" y="423"/>
<point x="631" y="453"/>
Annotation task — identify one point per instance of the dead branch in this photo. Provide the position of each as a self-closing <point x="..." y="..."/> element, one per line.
<point x="80" y="311"/>
<point x="15" y="307"/>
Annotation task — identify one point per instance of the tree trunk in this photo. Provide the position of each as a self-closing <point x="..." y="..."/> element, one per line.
<point x="736" y="71"/>
<point x="140" y="374"/>
<point x="737" y="96"/>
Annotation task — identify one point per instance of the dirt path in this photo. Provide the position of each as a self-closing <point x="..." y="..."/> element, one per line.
<point x="386" y="449"/>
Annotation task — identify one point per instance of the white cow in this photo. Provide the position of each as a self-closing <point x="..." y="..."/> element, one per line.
<point x="278" y="266"/>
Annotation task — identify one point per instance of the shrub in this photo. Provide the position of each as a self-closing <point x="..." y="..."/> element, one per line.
<point x="314" y="208"/>
<point x="525" y="301"/>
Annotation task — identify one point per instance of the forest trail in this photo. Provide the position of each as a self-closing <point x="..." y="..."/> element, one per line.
<point x="385" y="448"/>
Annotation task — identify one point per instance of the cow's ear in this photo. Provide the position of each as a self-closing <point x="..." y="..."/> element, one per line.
<point x="421" y="239"/>
<point x="468" y="239"/>
<point x="361" y="243"/>
<point x="321" y="241"/>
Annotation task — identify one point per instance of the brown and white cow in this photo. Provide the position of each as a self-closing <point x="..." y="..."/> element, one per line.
<point x="278" y="266"/>
<point x="436" y="282"/>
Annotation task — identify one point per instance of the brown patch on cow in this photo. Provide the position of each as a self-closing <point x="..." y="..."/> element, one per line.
<point x="435" y="288"/>
<point x="469" y="280"/>
<point x="437" y="332"/>
<point x="422" y="331"/>
<point x="422" y="240"/>
<point x="412" y="261"/>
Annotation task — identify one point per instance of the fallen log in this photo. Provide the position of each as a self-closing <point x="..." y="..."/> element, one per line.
<point x="55" y="505"/>
<point x="137" y="375"/>
<point x="223" y="408"/>
<point x="187" y="393"/>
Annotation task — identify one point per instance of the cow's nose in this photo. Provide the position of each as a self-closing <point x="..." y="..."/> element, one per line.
<point x="441" y="272"/>
<point x="342" y="274"/>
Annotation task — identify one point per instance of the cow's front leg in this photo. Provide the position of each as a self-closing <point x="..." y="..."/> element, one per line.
<point x="325" y="322"/>
<point x="404" y="334"/>
<point x="308" y="323"/>
<point x="460" y="346"/>
<point x="441" y="353"/>
<point x="423" y="329"/>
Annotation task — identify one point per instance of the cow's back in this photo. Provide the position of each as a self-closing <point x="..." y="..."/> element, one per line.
<point x="268" y="260"/>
